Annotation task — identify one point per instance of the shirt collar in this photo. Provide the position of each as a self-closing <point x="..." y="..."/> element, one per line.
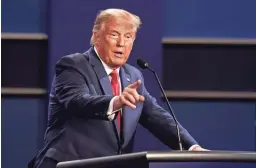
<point x="106" y="67"/>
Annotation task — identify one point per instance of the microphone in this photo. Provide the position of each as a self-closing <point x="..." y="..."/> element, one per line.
<point x="144" y="65"/>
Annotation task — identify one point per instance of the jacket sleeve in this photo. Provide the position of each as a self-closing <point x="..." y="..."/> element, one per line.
<point x="72" y="91"/>
<point x="162" y="125"/>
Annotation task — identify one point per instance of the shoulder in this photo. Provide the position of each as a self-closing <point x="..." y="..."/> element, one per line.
<point x="72" y="59"/>
<point x="72" y="62"/>
<point x="132" y="70"/>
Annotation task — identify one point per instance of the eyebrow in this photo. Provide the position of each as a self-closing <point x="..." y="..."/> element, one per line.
<point x="120" y="33"/>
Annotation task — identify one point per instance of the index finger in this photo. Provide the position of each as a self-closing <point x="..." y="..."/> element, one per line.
<point x="135" y="85"/>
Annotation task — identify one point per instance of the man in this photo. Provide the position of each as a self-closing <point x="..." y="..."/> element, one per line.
<point x="97" y="99"/>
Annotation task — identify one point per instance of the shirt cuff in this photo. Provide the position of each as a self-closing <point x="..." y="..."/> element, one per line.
<point x="110" y="112"/>
<point x="192" y="147"/>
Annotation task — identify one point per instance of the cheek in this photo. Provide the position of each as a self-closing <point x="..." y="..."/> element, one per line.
<point x="129" y="47"/>
<point x="130" y="44"/>
<point x="111" y="43"/>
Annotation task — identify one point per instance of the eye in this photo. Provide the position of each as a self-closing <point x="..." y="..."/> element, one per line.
<point x="128" y="36"/>
<point x="114" y="34"/>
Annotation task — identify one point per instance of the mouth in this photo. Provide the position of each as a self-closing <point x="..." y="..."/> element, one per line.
<point x="118" y="54"/>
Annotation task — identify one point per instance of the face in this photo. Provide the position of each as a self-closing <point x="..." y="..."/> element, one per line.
<point x="114" y="42"/>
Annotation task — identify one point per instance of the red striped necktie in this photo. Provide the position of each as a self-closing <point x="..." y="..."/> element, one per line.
<point x="116" y="91"/>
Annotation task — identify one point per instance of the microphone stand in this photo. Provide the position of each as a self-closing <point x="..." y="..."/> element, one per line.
<point x="170" y="108"/>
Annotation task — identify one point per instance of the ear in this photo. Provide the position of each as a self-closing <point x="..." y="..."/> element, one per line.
<point x="96" y="37"/>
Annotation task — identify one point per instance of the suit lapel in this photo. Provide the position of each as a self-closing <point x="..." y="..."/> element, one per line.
<point x="104" y="81"/>
<point x="100" y="72"/>
<point x="127" y="113"/>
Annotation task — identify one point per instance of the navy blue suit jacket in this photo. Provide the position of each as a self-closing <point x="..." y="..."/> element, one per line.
<point x="78" y="125"/>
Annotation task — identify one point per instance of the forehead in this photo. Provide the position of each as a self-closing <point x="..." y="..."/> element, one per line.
<point x="120" y="25"/>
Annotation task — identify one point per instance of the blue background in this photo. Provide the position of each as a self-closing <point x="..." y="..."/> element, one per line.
<point x="217" y="125"/>
<point x="216" y="19"/>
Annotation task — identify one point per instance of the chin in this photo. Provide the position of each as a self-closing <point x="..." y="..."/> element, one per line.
<point x="118" y="64"/>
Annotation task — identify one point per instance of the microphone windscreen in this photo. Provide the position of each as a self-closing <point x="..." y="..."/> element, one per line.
<point x="142" y="63"/>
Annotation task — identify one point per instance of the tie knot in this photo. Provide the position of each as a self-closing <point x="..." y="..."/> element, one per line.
<point x="114" y="73"/>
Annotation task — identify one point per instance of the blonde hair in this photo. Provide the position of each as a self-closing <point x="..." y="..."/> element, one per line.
<point x="108" y="14"/>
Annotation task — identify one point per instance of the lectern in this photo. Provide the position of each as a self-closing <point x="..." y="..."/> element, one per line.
<point x="144" y="159"/>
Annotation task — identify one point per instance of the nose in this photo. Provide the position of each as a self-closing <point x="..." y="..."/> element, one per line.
<point x="121" y="41"/>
